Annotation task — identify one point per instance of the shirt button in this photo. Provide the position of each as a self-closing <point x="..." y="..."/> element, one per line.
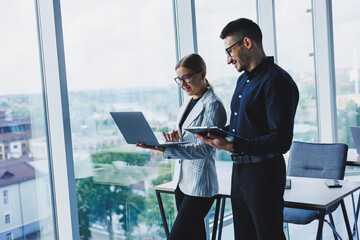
<point x="247" y="80"/>
<point x="233" y="130"/>
<point x="239" y="96"/>
<point x="235" y="113"/>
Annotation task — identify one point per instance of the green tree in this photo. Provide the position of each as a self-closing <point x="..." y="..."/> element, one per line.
<point x="98" y="203"/>
<point x="138" y="159"/>
<point x="152" y="216"/>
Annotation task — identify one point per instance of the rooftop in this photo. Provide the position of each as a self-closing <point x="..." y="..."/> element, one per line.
<point x="15" y="171"/>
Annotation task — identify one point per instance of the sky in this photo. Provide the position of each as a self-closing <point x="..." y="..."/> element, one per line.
<point x="19" y="51"/>
<point x="127" y="43"/>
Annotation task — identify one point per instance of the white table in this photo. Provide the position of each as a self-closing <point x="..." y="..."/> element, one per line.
<point x="305" y="193"/>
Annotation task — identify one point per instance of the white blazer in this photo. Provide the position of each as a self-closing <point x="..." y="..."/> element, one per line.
<point x="195" y="172"/>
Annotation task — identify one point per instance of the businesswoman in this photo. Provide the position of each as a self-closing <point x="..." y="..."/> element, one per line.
<point x="195" y="173"/>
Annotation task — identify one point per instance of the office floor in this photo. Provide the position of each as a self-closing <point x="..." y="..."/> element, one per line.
<point x="308" y="232"/>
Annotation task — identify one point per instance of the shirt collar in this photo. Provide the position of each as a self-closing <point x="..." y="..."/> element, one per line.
<point x="267" y="61"/>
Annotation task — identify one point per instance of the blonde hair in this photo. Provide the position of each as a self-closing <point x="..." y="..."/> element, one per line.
<point x="194" y="62"/>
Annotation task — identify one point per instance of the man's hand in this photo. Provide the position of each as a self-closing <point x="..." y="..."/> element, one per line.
<point x="219" y="143"/>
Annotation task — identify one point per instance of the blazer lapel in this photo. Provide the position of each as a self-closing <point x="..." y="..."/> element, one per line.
<point x="198" y="108"/>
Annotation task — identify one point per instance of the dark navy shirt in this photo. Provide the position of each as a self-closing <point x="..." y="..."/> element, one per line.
<point x="263" y="109"/>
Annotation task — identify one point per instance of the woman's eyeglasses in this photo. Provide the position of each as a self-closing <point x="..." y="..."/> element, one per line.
<point x="185" y="78"/>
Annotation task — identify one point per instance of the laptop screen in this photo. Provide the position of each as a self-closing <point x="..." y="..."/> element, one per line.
<point x="355" y="132"/>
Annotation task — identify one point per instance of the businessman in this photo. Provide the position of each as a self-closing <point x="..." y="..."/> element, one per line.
<point x="263" y="108"/>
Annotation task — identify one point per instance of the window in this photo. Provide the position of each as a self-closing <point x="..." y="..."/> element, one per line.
<point x="295" y="55"/>
<point x="347" y="67"/>
<point x="120" y="56"/>
<point x="210" y="19"/>
<point x="7" y="219"/>
<point x="9" y="236"/>
<point x="21" y="101"/>
<point x="6" y="197"/>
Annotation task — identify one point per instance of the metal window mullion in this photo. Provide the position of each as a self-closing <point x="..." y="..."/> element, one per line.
<point x="324" y="70"/>
<point x="185" y="31"/>
<point x="266" y="20"/>
<point x="57" y="118"/>
<point x="177" y="45"/>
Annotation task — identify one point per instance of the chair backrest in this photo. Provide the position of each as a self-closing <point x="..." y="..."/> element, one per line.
<point x="317" y="160"/>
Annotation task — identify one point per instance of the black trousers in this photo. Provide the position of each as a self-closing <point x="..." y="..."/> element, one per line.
<point x="257" y="199"/>
<point x="189" y="223"/>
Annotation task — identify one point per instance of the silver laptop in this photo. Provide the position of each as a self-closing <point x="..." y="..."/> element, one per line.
<point x="136" y="129"/>
<point x="355" y="131"/>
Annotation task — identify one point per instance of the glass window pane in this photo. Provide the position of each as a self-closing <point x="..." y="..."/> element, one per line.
<point x="26" y="210"/>
<point x="347" y="57"/>
<point x="295" y="55"/>
<point x="120" y="56"/>
<point x="211" y="17"/>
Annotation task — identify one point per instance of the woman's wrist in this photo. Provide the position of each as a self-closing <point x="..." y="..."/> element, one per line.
<point x="161" y="149"/>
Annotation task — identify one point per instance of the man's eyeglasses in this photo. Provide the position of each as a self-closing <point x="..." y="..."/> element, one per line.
<point x="185" y="78"/>
<point x="228" y="50"/>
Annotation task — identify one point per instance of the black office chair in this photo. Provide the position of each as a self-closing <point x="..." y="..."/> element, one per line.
<point x="315" y="160"/>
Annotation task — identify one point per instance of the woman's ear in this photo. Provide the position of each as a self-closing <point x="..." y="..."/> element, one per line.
<point x="203" y="73"/>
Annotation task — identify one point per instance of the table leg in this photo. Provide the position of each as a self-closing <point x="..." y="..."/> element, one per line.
<point x="221" y="217"/>
<point x="356" y="230"/>
<point x="343" y="208"/>
<point x="321" y="224"/>
<point x="162" y="212"/>
<point x="357" y="216"/>
<point x="333" y="225"/>
<point x="358" y="206"/>
<point x="216" y="218"/>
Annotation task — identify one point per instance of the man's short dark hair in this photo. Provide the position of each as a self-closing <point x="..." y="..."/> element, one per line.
<point x="242" y="27"/>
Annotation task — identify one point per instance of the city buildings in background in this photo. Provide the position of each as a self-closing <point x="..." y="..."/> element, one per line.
<point x="94" y="135"/>
<point x="14" y="137"/>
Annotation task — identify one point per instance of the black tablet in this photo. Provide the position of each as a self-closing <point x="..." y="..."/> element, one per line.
<point x="203" y="131"/>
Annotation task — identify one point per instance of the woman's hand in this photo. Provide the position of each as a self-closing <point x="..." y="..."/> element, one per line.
<point x="172" y="136"/>
<point x="157" y="148"/>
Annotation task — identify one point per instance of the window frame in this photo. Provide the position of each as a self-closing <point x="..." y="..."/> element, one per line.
<point x="7" y="218"/>
<point x="9" y="236"/>
<point x="6" y="197"/>
<point x="55" y="92"/>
